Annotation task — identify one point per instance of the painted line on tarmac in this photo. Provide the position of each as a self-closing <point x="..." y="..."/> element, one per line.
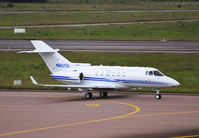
<point x="158" y="114"/>
<point x="191" y="136"/>
<point x="137" y="109"/>
<point x="94" y="105"/>
<point x="129" y="115"/>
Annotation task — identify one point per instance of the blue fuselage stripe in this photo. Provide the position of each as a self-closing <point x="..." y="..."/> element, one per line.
<point x="98" y="79"/>
<point x="62" y="78"/>
<point x="108" y="80"/>
<point x="142" y="82"/>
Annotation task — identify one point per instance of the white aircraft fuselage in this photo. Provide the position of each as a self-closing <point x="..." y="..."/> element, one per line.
<point x="116" y="76"/>
<point x="103" y="78"/>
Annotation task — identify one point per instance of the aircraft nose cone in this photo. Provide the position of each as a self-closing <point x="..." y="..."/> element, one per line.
<point x="175" y="83"/>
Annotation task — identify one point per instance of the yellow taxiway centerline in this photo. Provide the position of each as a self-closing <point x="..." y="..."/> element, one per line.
<point x="191" y="136"/>
<point x="169" y="113"/>
<point x="79" y="123"/>
<point x="129" y="115"/>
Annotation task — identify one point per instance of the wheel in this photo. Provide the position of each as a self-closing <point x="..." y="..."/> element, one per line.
<point x="158" y="96"/>
<point x="103" y="94"/>
<point x="88" y="95"/>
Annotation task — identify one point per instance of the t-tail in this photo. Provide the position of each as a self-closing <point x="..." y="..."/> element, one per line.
<point x="54" y="61"/>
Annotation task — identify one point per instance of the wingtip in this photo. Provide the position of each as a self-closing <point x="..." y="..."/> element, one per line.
<point x="33" y="80"/>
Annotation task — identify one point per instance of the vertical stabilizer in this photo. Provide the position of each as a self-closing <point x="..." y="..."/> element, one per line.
<point x="55" y="61"/>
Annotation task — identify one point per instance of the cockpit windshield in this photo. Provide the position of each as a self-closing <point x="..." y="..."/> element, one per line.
<point x="154" y="73"/>
<point x="158" y="73"/>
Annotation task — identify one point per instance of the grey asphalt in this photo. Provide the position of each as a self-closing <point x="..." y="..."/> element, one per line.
<point x="95" y="24"/>
<point x="61" y="114"/>
<point x="108" y="46"/>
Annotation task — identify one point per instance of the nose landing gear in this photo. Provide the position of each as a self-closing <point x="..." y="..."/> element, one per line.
<point x="158" y="95"/>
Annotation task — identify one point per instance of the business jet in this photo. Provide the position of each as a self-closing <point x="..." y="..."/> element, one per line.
<point x="104" y="79"/>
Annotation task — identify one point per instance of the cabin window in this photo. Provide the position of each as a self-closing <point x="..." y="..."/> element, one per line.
<point x="102" y="73"/>
<point x="157" y="73"/>
<point x="96" y="73"/>
<point x="123" y="74"/>
<point x="118" y="74"/>
<point x="150" y="72"/>
<point x="146" y="73"/>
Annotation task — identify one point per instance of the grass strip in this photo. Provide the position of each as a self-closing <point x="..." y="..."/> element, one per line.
<point x="101" y="5"/>
<point x="182" y="67"/>
<point x="43" y="18"/>
<point x="152" y="31"/>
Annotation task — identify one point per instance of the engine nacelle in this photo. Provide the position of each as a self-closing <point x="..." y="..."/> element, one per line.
<point x="69" y="76"/>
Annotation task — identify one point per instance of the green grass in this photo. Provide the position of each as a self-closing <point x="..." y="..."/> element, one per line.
<point x="42" y="18"/>
<point x="182" y="67"/>
<point x="103" y="5"/>
<point x="170" y="31"/>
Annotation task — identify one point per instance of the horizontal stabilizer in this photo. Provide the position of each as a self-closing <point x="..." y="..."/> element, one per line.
<point x="51" y="57"/>
<point x="40" y="47"/>
<point x="82" y="64"/>
<point x="39" y="51"/>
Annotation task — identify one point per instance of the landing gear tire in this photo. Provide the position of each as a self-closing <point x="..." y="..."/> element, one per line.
<point x="158" y="96"/>
<point x="88" y="95"/>
<point x="103" y="94"/>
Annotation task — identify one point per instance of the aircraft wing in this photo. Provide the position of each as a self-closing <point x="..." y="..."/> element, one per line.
<point x="74" y="86"/>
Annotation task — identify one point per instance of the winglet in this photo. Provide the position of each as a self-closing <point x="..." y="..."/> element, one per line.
<point x="33" y="80"/>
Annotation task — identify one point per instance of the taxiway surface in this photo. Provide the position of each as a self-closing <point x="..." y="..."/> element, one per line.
<point x="59" y="114"/>
<point x="108" y="46"/>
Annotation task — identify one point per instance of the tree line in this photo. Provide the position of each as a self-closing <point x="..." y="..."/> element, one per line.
<point x="88" y="1"/>
<point x="25" y="1"/>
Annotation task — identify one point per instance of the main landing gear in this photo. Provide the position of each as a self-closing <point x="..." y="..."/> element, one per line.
<point x="158" y="95"/>
<point x="103" y="94"/>
<point x="89" y="95"/>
